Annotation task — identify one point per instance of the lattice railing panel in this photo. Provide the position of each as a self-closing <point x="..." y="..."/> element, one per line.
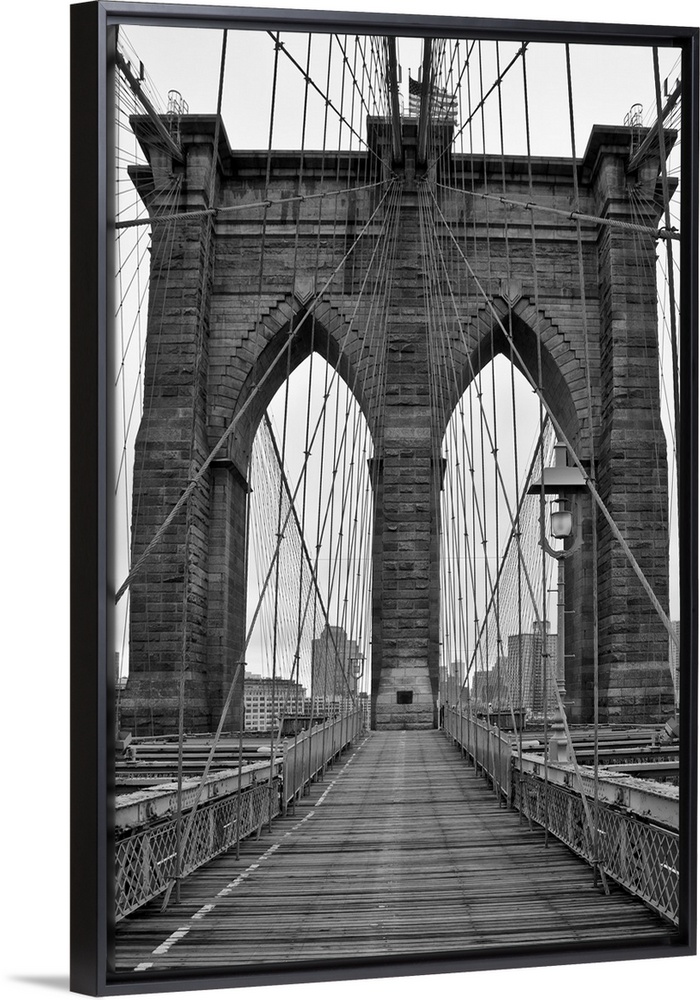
<point x="145" y="864"/>
<point x="642" y="857"/>
<point x="146" y="861"/>
<point x="639" y="856"/>
<point x="489" y="748"/>
<point x="311" y="751"/>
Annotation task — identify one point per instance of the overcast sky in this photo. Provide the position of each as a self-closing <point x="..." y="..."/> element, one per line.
<point x="606" y="82"/>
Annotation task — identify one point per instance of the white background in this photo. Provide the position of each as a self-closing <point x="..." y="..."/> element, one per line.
<point x="34" y="647"/>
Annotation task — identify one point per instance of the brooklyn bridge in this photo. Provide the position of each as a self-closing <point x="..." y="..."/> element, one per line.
<point x="394" y="480"/>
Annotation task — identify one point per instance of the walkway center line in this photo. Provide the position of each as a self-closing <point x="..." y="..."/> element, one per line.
<point x="203" y="911"/>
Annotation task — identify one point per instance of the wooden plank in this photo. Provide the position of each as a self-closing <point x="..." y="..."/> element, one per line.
<point x="401" y="850"/>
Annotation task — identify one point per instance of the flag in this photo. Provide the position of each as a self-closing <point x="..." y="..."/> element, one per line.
<point x="414" y="89"/>
<point x="443" y="105"/>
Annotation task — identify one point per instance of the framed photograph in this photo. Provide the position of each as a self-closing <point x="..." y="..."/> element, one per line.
<point x="384" y="495"/>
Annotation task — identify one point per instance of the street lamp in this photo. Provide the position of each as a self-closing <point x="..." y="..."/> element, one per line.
<point x="561" y="521"/>
<point x="357" y="668"/>
<point x="564" y="481"/>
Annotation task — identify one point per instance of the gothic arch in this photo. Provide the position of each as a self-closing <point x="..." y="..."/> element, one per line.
<point x="563" y="367"/>
<point x="321" y="330"/>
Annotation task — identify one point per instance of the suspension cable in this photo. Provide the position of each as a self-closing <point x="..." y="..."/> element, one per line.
<point x="240" y="413"/>
<point x="668" y="233"/>
<point x="563" y="438"/>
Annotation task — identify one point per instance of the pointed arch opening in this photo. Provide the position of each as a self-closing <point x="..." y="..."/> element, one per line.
<point x="545" y="356"/>
<point x="279" y="344"/>
<point x="309" y="532"/>
<point x="496" y="603"/>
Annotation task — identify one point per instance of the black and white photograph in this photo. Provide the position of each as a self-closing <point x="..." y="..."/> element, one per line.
<point x="393" y="458"/>
<point x="384" y="496"/>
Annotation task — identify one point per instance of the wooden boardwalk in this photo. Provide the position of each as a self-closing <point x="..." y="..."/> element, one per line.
<point x="400" y="851"/>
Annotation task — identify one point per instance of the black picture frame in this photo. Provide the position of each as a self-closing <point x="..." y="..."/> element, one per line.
<point x="91" y="680"/>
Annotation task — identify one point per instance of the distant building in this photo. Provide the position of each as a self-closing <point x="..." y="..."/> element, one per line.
<point x="331" y="664"/>
<point x="322" y="708"/>
<point x="674" y="662"/>
<point x="518" y="679"/>
<point x="526" y="667"/>
<point x="455" y="691"/>
<point x="260" y="713"/>
<point x="333" y="686"/>
<point x="490" y="687"/>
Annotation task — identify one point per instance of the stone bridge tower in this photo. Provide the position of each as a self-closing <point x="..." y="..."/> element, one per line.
<point x="214" y="335"/>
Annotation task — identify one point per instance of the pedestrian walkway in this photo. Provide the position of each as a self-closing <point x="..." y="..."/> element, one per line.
<point x="401" y="851"/>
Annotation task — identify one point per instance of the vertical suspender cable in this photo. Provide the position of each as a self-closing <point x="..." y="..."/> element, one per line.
<point x="516" y="525"/>
<point x="669" y="255"/>
<point x="592" y="458"/>
<point x="276" y="623"/>
<point x="545" y="643"/>
<point x="203" y="281"/>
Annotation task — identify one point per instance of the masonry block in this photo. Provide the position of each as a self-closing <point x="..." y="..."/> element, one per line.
<point x="215" y="329"/>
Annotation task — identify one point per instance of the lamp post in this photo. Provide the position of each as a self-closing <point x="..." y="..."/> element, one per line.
<point x="564" y="481"/>
<point x="357" y="668"/>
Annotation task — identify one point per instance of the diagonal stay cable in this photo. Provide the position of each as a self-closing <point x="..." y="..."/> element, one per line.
<point x="281" y="46"/>
<point x="200" y="306"/>
<point x="662" y="234"/>
<point x="237" y="417"/>
<point x="514" y="534"/>
<point x="226" y="210"/>
<point x="293" y="514"/>
<point x="327" y="391"/>
<point x="669" y="254"/>
<point x="521" y="51"/>
<point x="484" y="421"/>
<point x="217" y="736"/>
<point x="562" y="437"/>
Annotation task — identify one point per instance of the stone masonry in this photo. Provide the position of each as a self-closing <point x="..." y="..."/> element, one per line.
<point x="215" y="332"/>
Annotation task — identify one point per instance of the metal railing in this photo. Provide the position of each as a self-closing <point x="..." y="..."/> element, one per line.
<point x="490" y="749"/>
<point x="312" y="749"/>
<point x="636" y="852"/>
<point x="638" y="855"/>
<point x="145" y="859"/>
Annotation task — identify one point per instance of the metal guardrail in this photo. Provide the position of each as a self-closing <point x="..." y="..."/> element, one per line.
<point x="311" y="751"/>
<point x="145" y="859"/>
<point x="490" y="749"/>
<point x="158" y="801"/>
<point x="638" y="854"/>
